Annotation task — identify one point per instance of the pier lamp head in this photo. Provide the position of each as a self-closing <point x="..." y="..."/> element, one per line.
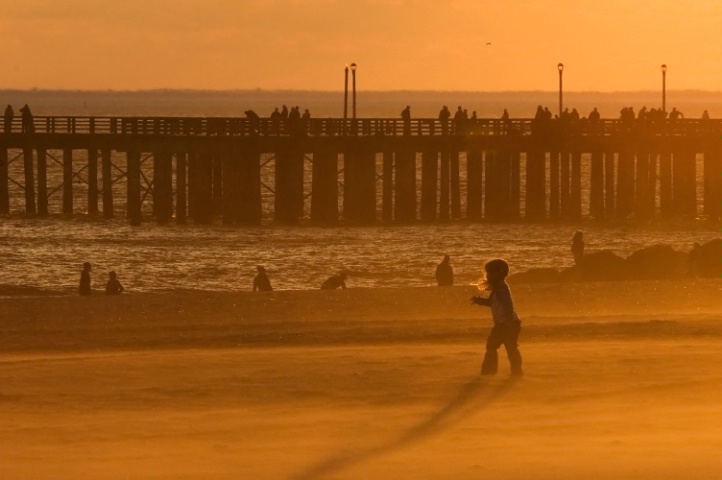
<point x="560" y="67"/>
<point x="353" y="67"/>
<point x="663" y="68"/>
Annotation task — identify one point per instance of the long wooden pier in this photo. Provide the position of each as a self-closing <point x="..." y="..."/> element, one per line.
<point x="362" y="171"/>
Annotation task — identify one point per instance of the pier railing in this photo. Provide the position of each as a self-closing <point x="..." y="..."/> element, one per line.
<point x="227" y="126"/>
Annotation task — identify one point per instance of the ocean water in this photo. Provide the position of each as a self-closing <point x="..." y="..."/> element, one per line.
<point x="47" y="253"/>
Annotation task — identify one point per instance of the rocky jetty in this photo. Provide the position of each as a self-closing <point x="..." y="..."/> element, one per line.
<point x="656" y="262"/>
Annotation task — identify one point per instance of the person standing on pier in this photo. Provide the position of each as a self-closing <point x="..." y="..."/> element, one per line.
<point x="406" y="117"/>
<point x="84" y="289"/>
<point x="675" y="114"/>
<point x="9" y="115"/>
<point x="27" y="119"/>
<point x="113" y="287"/>
<point x="459" y="120"/>
<point x="275" y="118"/>
<point x="253" y="120"/>
<point x="445" y="273"/>
<point x="594" y="116"/>
<point x="444" y="115"/>
<point x="261" y="283"/>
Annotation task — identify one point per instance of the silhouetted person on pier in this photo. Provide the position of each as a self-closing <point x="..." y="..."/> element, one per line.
<point x="253" y="120"/>
<point x="261" y="283"/>
<point x="294" y="120"/>
<point x="445" y="273"/>
<point x="284" y="112"/>
<point x="578" y="247"/>
<point x="675" y="114"/>
<point x="113" y="287"/>
<point x="539" y="115"/>
<point x="705" y="115"/>
<point x="27" y="119"/>
<point x="642" y="115"/>
<point x="505" y="122"/>
<point x="334" y="282"/>
<point x="305" y="121"/>
<point x="9" y="115"/>
<point x="459" y="119"/>
<point x="84" y="289"/>
<point x="275" y="121"/>
<point x="406" y="117"/>
<point x="506" y="322"/>
<point x="594" y="116"/>
<point x="444" y="116"/>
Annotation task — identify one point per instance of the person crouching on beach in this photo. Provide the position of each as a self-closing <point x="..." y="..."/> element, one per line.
<point x="113" y="287"/>
<point x="334" y="282"/>
<point x="506" y="322"/>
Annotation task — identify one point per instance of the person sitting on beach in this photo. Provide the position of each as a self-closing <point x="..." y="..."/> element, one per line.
<point x="334" y="282"/>
<point x="578" y="247"/>
<point x="261" y="283"/>
<point x="84" y="289"/>
<point x="113" y="287"/>
<point x="506" y="322"/>
<point x="445" y="273"/>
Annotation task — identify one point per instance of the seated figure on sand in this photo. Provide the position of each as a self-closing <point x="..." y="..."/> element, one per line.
<point x="84" y="289"/>
<point x="261" y="283"/>
<point x="113" y="287"/>
<point x="445" y="273"/>
<point x="334" y="282"/>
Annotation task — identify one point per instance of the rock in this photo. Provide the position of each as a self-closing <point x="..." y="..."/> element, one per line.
<point x="658" y="262"/>
<point x="604" y="265"/>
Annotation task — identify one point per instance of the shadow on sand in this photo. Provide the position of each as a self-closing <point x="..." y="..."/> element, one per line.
<point x="469" y="400"/>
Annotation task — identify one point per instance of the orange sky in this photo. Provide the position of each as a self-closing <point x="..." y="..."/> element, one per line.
<point x="399" y="44"/>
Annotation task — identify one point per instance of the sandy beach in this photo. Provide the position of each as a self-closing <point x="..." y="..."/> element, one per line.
<point x="622" y="381"/>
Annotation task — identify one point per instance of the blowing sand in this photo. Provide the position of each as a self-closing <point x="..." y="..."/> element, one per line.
<point x="623" y="381"/>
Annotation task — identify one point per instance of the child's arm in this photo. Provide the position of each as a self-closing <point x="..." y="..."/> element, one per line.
<point x="481" y="301"/>
<point x="120" y="288"/>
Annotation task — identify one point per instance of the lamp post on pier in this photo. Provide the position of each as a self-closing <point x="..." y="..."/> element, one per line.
<point x="663" y="68"/>
<point x="353" y="74"/>
<point x="345" y="97"/>
<point x="560" y="67"/>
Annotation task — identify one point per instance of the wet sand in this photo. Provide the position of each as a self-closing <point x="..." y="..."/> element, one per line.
<point x="622" y="381"/>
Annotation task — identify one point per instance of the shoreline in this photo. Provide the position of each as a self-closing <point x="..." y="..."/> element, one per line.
<point x="359" y="316"/>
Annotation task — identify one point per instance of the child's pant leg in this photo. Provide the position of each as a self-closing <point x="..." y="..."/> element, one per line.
<point x="506" y="334"/>
<point x="511" y="344"/>
<point x="491" y="357"/>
